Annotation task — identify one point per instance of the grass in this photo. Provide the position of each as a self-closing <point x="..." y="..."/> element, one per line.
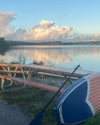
<point x="33" y="100"/>
<point x="95" y="120"/>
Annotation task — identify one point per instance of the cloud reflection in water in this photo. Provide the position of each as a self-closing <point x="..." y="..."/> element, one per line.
<point x="63" y="56"/>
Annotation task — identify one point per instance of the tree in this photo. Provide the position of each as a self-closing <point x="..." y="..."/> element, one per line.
<point x="4" y="46"/>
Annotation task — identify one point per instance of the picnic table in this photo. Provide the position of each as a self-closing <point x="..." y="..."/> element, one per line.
<point x="32" y="69"/>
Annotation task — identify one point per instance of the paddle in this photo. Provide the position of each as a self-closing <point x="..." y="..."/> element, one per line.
<point x="38" y="119"/>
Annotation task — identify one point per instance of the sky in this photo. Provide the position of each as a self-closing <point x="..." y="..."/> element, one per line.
<point x="50" y="20"/>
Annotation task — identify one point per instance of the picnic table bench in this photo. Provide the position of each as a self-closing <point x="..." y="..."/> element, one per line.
<point x="29" y="83"/>
<point x="30" y="70"/>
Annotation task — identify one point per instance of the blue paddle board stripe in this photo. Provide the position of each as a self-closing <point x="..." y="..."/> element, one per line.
<point x="74" y="106"/>
<point x="69" y="90"/>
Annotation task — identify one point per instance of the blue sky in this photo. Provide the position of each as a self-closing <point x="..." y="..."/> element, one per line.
<point x="66" y="20"/>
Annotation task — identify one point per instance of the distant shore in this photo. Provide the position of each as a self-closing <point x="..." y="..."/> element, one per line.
<point x="15" y="43"/>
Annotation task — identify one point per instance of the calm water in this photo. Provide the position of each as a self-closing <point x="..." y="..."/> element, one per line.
<point x="88" y="56"/>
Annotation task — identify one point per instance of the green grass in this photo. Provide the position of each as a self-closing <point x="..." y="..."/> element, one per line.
<point x="33" y="100"/>
<point x="95" y="120"/>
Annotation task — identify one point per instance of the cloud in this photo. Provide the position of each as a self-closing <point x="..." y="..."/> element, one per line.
<point x="82" y="37"/>
<point x="44" y="31"/>
<point x="97" y="36"/>
<point x="5" y="20"/>
<point x="46" y="24"/>
<point x="48" y="56"/>
<point x="18" y="35"/>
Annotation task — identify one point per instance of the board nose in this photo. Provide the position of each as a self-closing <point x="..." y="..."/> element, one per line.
<point x="73" y="107"/>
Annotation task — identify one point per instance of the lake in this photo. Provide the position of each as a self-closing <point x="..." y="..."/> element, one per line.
<point x="88" y="56"/>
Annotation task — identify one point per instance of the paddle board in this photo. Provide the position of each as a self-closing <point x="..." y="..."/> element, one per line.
<point x="80" y="101"/>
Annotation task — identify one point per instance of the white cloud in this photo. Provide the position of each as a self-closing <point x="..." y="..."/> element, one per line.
<point x="44" y="31"/>
<point x="46" y="24"/>
<point x="82" y="37"/>
<point x="7" y="33"/>
<point x="5" y="20"/>
<point x="18" y="35"/>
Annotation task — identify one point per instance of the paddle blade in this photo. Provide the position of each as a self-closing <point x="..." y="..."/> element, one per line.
<point x="37" y="120"/>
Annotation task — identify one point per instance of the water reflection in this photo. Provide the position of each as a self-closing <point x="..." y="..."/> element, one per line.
<point x="3" y="49"/>
<point x="87" y="56"/>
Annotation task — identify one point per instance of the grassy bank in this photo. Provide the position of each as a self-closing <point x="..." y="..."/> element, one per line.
<point x="32" y="101"/>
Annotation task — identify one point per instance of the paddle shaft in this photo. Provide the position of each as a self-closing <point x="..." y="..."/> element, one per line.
<point x="60" y="88"/>
<point x="38" y="119"/>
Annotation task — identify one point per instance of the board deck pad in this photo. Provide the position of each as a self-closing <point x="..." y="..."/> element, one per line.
<point x="80" y="101"/>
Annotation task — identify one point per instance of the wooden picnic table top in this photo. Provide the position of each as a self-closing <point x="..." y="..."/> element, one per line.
<point x="49" y="69"/>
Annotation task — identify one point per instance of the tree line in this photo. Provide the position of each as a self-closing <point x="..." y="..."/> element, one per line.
<point x="3" y="42"/>
<point x="4" y="46"/>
